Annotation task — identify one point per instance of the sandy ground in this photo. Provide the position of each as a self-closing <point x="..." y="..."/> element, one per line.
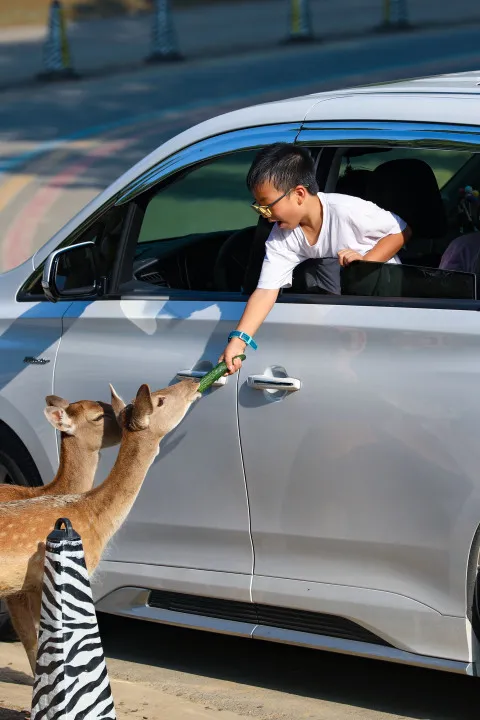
<point x="132" y="699"/>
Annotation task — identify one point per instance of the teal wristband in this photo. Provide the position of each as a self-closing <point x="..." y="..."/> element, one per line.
<point x="243" y="336"/>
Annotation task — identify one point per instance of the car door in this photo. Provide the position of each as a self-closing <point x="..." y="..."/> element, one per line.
<point x="362" y="466"/>
<point x="192" y="512"/>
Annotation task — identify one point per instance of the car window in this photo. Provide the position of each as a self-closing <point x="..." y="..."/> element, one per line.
<point x="372" y="279"/>
<point x="444" y="163"/>
<point x="198" y="229"/>
<point x="211" y="198"/>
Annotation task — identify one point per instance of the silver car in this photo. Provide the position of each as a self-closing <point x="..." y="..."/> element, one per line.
<point x="328" y="495"/>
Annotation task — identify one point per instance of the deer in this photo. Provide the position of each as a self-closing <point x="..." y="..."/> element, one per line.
<point x="96" y="514"/>
<point x="85" y="427"/>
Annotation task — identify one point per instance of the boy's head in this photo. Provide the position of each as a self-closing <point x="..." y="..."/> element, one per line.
<point x="282" y="179"/>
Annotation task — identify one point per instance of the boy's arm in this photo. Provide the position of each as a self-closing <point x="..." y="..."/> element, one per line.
<point x="386" y="248"/>
<point x="258" y="306"/>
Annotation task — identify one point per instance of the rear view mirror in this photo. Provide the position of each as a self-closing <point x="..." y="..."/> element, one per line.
<point x="72" y="273"/>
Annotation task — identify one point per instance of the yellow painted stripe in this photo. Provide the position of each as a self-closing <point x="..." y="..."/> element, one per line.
<point x="12" y="187"/>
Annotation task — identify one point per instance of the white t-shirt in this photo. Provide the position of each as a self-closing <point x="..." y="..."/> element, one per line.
<point x="348" y="222"/>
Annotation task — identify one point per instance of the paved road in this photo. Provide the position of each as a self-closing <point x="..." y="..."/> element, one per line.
<point x="208" y="30"/>
<point x="101" y="127"/>
<point x="161" y="672"/>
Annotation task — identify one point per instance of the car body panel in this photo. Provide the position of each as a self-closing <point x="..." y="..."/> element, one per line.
<point x="417" y="628"/>
<point x="368" y="475"/>
<point x="29" y="339"/>
<point x="192" y="509"/>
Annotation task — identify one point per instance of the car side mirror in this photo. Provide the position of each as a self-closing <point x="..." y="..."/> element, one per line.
<point x="72" y="273"/>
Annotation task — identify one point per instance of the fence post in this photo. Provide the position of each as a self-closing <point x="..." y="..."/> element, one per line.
<point x="164" y="39"/>
<point x="300" y="21"/>
<point x="71" y="679"/>
<point x="57" y="64"/>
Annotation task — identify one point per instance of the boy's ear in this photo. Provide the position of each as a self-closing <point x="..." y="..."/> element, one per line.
<point x="301" y="192"/>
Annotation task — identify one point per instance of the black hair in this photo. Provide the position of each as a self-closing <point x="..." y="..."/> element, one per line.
<point x="285" y="166"/>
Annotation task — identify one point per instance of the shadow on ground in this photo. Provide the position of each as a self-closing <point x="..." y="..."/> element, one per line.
<point x="6" y="714"/>
<point x="401" y="691"/>
<point x="9" y="675"/>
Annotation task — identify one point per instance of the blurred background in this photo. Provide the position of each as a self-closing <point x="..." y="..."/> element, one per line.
<point x="88" y="87"/>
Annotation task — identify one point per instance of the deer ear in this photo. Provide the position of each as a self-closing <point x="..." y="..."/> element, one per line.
<point x="142" y="407"/>
<point x="56" y="401"/>
<point x="117" y="402"/>
<point x="60" y="419"/>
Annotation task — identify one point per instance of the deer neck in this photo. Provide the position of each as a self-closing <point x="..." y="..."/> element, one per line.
<point x="110" y="502"/>
<point x="76" y="469"/>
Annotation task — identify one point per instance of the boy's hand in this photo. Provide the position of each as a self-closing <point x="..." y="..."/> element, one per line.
<point x="234" y="347"/>
<point x="345" y="257"/>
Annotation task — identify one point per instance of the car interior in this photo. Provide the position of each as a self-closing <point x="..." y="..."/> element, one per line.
<point x="421" y="186"/>
<point x="197" y="231"/>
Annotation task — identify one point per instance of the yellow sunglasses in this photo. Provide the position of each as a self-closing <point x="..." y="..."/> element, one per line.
<point x="266" y="210"/>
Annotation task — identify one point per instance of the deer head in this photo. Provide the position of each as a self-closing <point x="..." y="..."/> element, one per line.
<point x="160" y="411"/>
<point x="93" y="424"/>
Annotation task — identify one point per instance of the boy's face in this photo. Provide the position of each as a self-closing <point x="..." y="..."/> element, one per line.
<point x="287" y="211"/>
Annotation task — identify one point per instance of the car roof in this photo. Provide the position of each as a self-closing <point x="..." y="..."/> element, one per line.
<point x="450" y="99"/>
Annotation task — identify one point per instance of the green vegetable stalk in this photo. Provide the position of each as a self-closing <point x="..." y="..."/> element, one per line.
<point x="215" y="374"/>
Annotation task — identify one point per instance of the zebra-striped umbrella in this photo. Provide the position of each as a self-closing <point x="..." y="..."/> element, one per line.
<point x="71" y="679"/>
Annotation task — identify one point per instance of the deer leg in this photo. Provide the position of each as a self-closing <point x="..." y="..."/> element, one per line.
<point x="35" y="608"/>
<point x="20" y="612"/>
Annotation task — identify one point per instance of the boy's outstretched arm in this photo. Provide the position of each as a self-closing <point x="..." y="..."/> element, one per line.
<point x="258" y="306"/>
<point x="386" y="248"/>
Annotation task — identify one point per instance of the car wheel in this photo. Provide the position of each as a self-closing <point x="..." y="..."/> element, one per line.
<point x="16" y="468"/>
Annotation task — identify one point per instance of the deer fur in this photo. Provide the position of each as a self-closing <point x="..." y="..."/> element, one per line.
<point x="96" y="515"/>
<point x="85" y="428"/>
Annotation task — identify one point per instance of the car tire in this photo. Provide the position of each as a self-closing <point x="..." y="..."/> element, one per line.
<point x="16" y="468"/>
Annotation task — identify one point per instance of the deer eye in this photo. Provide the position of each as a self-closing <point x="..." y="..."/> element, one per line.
<point x="100" y="417"/>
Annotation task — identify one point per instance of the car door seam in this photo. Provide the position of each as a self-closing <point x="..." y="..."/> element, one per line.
<point x="246" y="490"/>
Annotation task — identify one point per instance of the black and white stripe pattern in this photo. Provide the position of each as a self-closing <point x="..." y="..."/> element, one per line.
<point x="71" y="680"/>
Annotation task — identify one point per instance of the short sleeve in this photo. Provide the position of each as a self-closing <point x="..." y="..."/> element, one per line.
<point x="278" y="264"/>
<point x="377" y="223"/>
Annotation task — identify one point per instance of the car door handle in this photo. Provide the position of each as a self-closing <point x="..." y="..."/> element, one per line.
<point x="267" y="382"/>
<point x="197" y="374"/>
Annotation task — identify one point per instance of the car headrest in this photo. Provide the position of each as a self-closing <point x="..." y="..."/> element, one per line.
<point x="409" y="188"/>
<point x="354" y="182"/>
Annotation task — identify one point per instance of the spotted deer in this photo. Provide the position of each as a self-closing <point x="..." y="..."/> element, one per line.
<point x="85" y="428"/>
<point x="96" y="515"/>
